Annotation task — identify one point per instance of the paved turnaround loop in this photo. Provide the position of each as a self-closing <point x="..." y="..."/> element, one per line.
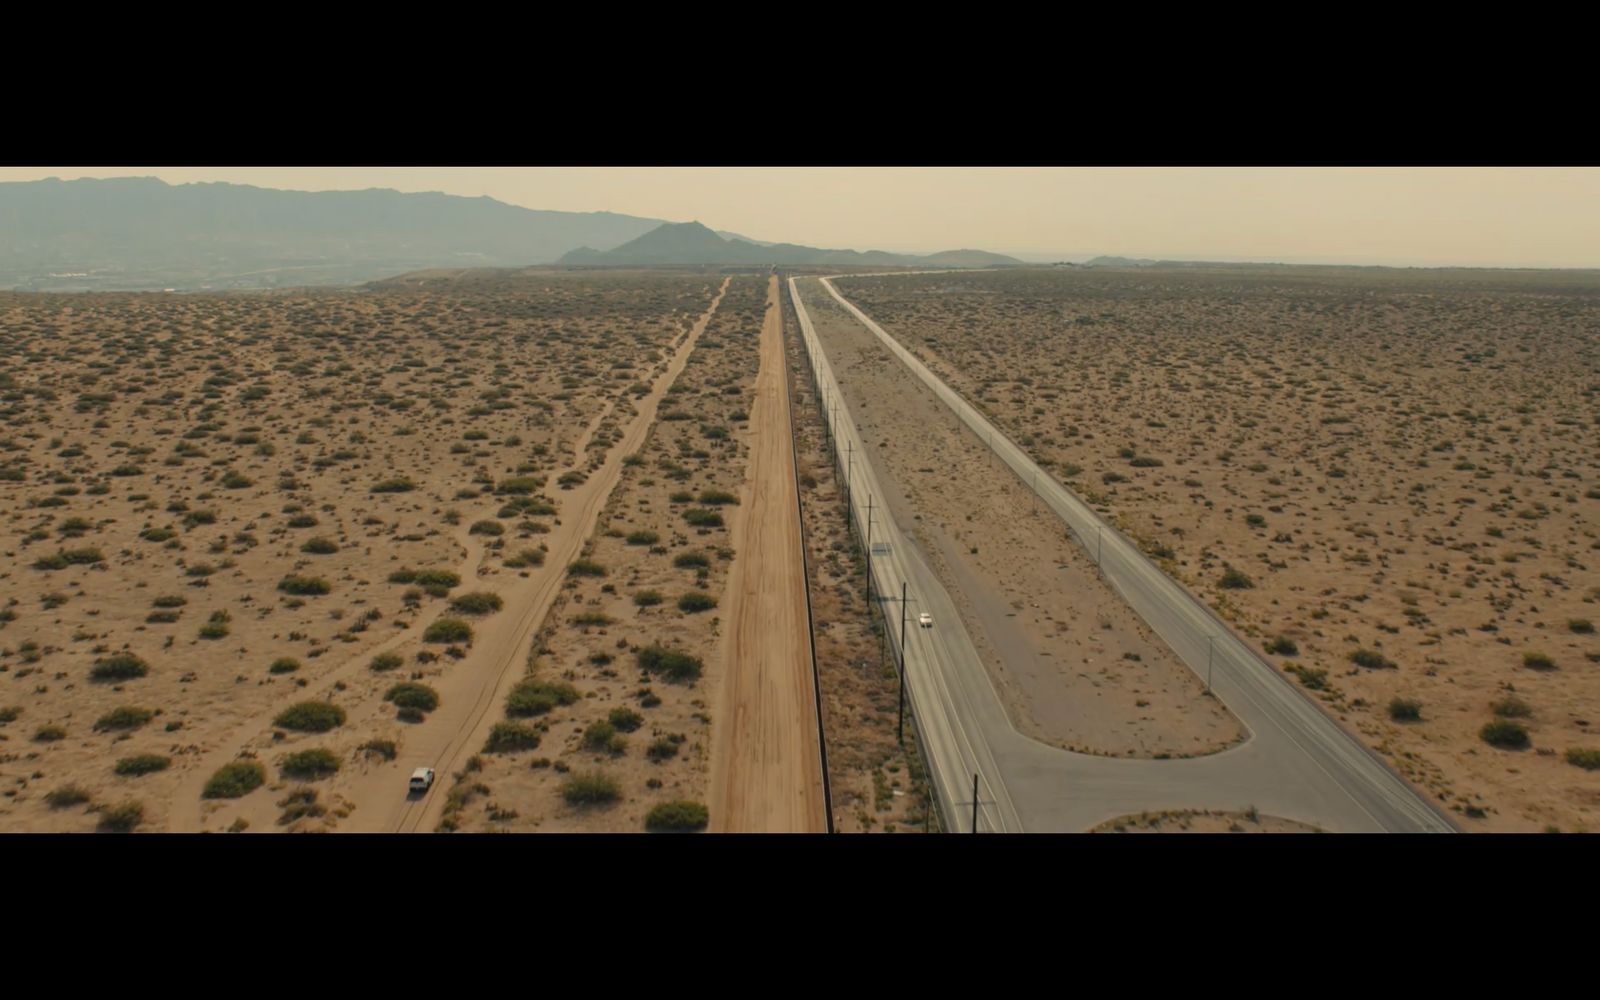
<point x="766" y="772"/>
<point x="1297" y="764"/>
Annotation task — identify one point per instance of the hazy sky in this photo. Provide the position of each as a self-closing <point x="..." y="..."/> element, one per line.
<point x="1512" y="217"/>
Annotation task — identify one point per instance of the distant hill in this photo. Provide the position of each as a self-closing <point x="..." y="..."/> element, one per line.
<point x="1122" y="262"/>
<point x="140" y="232"/>
<point x="690" y="243"/>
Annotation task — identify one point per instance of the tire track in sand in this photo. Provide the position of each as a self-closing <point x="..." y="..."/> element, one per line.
<point x="766" y="770"/>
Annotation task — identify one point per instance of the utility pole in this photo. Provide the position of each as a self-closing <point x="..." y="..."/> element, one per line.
<point x="974" y="802"/>
<point x="849" y="466"/>
<point x="869" y="550"/>
<point x="1208" y="663"/>
<point x="900" y="727"/>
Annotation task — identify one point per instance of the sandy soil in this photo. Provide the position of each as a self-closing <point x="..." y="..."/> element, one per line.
<point x="207" y="441"/>
<point x="1210" y="821"/>
<point x="766" y="771"/>
<point x="648" y="736"/>
<point x="875" y="783"/>
<point x="1074" y="665"/>
<point x="1398" y="462"/>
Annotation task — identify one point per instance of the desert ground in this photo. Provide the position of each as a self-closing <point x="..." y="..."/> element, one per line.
<point x="596" y="734"/>
<point x="256" y="545"/>
<point x="1390" y="479"/>
<point x="1075" y="667"/>
<point x="766" y="773"/>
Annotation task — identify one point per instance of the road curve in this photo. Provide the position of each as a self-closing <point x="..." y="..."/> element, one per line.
<point x="1298" y="762"/>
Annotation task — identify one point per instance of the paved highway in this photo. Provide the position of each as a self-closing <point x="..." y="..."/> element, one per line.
<point x="1298" y="763"/>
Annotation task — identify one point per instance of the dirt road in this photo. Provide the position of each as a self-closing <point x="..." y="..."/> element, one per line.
<point x="470" y="692"/>
<point x="766" y="771"/>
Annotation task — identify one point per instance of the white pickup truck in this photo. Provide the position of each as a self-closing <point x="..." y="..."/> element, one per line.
<point x="925" y="620"/>
<point x="421" y="780"/>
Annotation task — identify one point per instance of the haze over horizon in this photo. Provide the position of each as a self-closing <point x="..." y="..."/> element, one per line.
<point x="1394" y="216"/>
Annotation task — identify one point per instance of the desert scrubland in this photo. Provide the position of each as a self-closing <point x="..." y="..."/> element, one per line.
<point x="256" y="545"/>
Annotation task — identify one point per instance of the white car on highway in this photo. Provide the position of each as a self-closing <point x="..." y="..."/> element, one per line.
<point x="925" y="620"/>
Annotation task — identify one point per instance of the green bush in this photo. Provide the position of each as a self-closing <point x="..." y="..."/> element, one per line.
<point x="173" y="601"/>
<point x="66" y="796"/>
<point x="586" y="567"/>
<point x="232" y="780"/>
<point x="1371" y="659"/>
<point x="122" y="818"/>
<point x="284" y="665"/>
<point x="590" y="788"/>
<point x="158" y="534"/>
<point x="477" y="603"/>
<point x="1512" y="708"/>
<point x="677" y="817"/>
<point x="437" y="578"/>
<point x="662" y="748"/>
<point x="305" y="586"/>
<point x="303" y="521"/>
<point x="320" y="546"/>
<point x="1311" y="677"/>
<point x="125" y="717"/>
<point x="531" y="697"/>
<point x="643" y="538"/>
<point x="699" y="517"/>
<point x="525" y="558"/>
<point x="384" y="662"/>
<point x="147" y="763"/>
<point x="1538" y="661"/>
<point x="448" y="630"/>
<point x="648" y="598"/>
<point x="695" y="601"/>
<point x="603" y="737"/>
<point x="675" y="665"/>
<point x="397" y="485"/>
<point x="413" y="695"/>
<point x="691" y="560"/>
<point x="714" y="498"/>
<point x="118" y="667"/>
<point x="9" y="713"/>
<point x="520" y="485"/>
<point x="1586" y="758"/>
<point x="491" y="528"/>
<point x="511" y="737"/>
<point x="380" y="748"/>
<point x="625" y="720"/>
<point x="311" y="717"/>
<point x="70" y="557"/>
<point x="1233" y="579"/>
<point x="1405" y="710"/>
<point x="1506" y="735"/>
<point x="310" y="765"/>
<point x="49" y="734"/>
<point x="1582" y="626"/>
<point x="1283" y="646"/>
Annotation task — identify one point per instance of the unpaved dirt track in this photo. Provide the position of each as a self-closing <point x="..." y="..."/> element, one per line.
<point x="475" y="687"/>
<point x="766" y="772"/>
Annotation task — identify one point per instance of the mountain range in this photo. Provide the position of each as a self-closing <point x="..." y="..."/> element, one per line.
<point x="690" y="243"/>
<point x="141" y="233"/>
